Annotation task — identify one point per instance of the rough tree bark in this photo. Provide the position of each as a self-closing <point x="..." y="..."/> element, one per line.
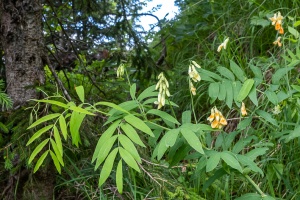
<point x="22" y="41"/>
<point x="21" y="37"/>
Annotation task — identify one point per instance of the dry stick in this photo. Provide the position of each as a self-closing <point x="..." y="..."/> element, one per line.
<point x="58" y="81"/>
<point x="149" y="175"/>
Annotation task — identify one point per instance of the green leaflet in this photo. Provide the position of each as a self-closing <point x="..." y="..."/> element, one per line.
<point x="58" y="140"/>
<point x="268" y="117"/>
<point x="163" y="115"/>
<point x="245" y="90"/>
<point x="63" y="126"/>
<point x="112" y="105"/>
<point x="107" y="167"/>
<point x="39" y="133"/>
<point x="119" y="177"/>
<point x="245" y="161"/>
<point x="279" y="74"/>
<point x="147" y="93"/>
<point x="226" y="73"/>
<point x="132" y="91"/>
<point x="171" y="137"/>
<point x="80" y="110"/>
<point x="75" y="123"/>
<point x="231" y="160"/>
<point x="104" y="150"/>
<point x="132" y="134"/>
<point x="192" y="139"/>
<point x="104" y="137"/>
<point x="238" y="72"/>
<point x="127" y="157"/>
<point x="186" y="117"/>
<point x="57" y="103"/>
<point x="222" y="92"/>
<point x="129" y="146"/>
<point x="139" y="124"/>
<point x="37" y="150"/>
<point x="56" y="162"/>
<point x="80" y="93"/>
<point x="40" y="161"/>
<point x="57" y="152"/>
<point x="229" y="93"/>
<point x="213" y="91"/>
<point x="44" y="119"/>
<point x="213" y="161"/>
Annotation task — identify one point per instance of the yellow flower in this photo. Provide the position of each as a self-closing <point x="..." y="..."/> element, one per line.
<point x="277" y="21"/>
<point x="163" y="86"/>
<point x="120" y="71"/>
<point x="243" y="110"/>
<point x="192" y="89"/>
<point x="194" y="75"/>
<point x="277" y="42"/>
<point x="223" y="45"/>
<point x="217" y="119"/>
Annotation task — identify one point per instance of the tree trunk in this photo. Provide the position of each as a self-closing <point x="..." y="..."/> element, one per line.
<point x="22" y="42"/>
<point x="21" y="37"/>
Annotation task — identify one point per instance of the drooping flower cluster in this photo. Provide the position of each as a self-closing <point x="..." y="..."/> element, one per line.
<point x="216" y="119"/>
<point x="163" y="86"/>
<point x="277" y="42"/>
<point x="194" y="75"/>
<point x="277" y="22"/>
<point x="120" y="70"/>
<point x="243" y="110"/>
<point x="223" y="45"/>
<point x="277" y="110"/>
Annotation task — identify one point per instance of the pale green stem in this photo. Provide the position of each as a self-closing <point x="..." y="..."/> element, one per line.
<point x="255" y="186"/>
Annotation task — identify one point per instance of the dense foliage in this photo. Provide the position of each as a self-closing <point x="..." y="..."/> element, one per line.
<point x="212" y="114"/>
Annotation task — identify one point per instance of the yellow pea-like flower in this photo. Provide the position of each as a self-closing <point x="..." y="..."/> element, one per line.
<point x="243" y="109"/>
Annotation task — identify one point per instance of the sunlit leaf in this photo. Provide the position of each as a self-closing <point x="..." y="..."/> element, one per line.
<point x="40" y="161"/>
<point x="37" y="150"/>
<point x="39" y="133"/>
<point x="44" y="119"/>
<point x="107" y="167"/>
<point x="127" y="157"/>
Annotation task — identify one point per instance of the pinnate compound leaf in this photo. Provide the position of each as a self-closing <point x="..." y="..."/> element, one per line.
<point x="37" y="150"/>
<point x="107" y="167"/>
<point x="132" y="134"/>
<point x="104" y="137"/>
<point x="127" y="157"/>
<point x="163" y="115"/>
<point x="39" y="133"/>
<point x="55" y="161"/>
<point x="104" y="150"/>
<point x="213" y="161"/>
<point x="40" y="161"/>
<point x="63" y="126"/>
<point x="245" y="90"/>
<point x="192" y="139"/>
<point x="129" y="146"/>
<point x="80" y="93"/>
<point x="231" y="160"/>
<point x="44" y="119"/>
<point x="139" y="124"/>
<point x="119" y="177"/>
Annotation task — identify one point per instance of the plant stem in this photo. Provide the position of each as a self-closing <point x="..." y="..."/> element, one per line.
<point x="255" y="185"/>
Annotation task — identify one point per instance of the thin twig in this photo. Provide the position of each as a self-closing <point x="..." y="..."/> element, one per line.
<point x="149" y="175"/>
